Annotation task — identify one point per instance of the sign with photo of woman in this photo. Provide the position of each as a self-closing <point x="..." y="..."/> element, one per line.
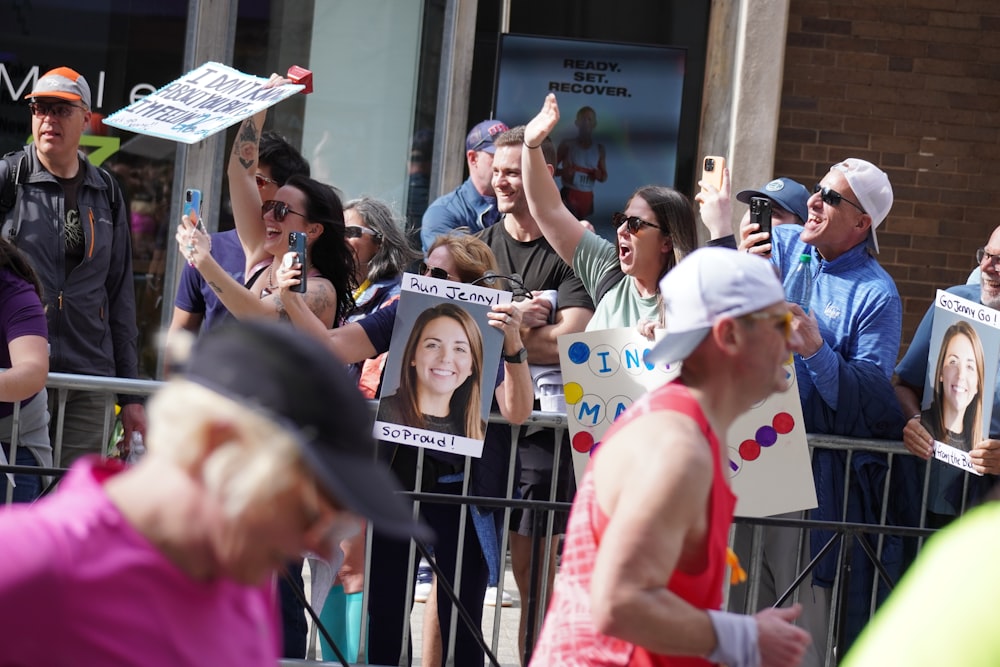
<point x="958" y="389"/>
<point x="438" y="386"/>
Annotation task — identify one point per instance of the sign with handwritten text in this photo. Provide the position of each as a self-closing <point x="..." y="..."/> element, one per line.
<point x="604" y="372"/>
<point x="202" y="102"/>
<point x="443" y="359"/>
<point x="962" y="359"/>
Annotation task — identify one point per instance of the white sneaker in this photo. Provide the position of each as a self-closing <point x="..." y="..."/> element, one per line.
<point x="425" y="576"/>
<point x="491" y="598"/>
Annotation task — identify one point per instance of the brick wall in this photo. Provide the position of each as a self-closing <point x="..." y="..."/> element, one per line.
<point x="914" y="87"/>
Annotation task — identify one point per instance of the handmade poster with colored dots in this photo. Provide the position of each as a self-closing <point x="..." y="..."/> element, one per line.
<point x="604" y="372"/>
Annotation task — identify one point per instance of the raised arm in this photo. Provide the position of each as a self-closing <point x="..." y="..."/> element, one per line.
<point x="243" y="191"/>
<point x="561" y="228"/>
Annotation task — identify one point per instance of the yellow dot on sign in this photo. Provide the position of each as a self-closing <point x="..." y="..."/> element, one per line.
<point x="573" y="392"/>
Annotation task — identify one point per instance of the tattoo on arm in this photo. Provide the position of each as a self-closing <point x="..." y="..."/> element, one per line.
<point x="320" y="298"/>
<point x="280" y="309"/>
<point x="247" y="140"/>
<point x="218" y="290"/>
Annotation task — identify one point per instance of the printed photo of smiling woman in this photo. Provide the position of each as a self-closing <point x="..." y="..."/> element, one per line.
<point x="440" y="375"/>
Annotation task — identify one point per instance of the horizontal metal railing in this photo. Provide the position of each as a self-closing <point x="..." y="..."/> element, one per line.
<point x="845" y="533"/>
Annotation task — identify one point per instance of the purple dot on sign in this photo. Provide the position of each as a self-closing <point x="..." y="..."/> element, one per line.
<point x="579" y="353"/>
<point x="766" y="436"/>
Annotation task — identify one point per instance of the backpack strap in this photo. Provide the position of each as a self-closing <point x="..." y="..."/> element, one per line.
<point x="15" y="164"/>
<point x="13" y="168"/>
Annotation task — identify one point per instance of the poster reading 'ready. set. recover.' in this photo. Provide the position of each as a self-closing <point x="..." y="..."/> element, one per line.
<point x="620" y="109"/>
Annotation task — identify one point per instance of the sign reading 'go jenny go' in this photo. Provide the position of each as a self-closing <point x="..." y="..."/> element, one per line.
<point x="197" y="105"/>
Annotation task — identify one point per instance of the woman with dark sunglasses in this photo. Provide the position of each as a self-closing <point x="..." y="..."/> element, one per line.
<point x="656" y="230"/>
<point x="301" y="205"/>
<point x="462" y="258"/>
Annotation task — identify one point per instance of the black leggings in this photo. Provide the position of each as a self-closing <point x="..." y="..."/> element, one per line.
<point x="387" y="589"/>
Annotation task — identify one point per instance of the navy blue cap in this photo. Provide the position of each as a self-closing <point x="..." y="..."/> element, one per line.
<point x="786" y="193"/>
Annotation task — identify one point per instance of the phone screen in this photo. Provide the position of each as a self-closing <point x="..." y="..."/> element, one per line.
<point x="297" y="244"/>
<point x="760" y="213"/>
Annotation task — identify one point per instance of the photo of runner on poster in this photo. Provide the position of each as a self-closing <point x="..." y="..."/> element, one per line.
<point x="443" y="358"/>
<point x="961" y="376"/>
<point x="622" y="109"/>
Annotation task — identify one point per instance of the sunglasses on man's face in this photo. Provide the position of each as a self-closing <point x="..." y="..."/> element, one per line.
<point x="263" y="180"/>
<point x="832" y="197"/>
<point x="54" y="109"/>
<point x="357" y="231"/>
<point x="426" y="269"/>
<point x="279" y="208"/>
<point x="633" y="222"/>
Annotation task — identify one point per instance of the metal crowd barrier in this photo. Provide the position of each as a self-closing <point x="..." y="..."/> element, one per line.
<point x="869" y="537"/>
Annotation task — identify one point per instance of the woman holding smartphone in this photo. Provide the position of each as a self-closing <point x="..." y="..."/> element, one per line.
<point x="301" y="205"/>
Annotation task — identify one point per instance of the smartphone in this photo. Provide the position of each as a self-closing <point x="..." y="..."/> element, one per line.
<point x="760" y="213"/>
<point x="711" y="170"/>
<point x="297" y="244"/>
<point x="192" y="207"/>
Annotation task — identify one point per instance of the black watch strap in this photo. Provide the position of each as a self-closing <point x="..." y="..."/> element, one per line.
<point x="518" y="357"/>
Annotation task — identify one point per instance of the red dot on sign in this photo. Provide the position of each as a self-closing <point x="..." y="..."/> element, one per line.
<point x="783" y="423"/>
<point x="749" y="450"/>
<point x="583" y="442"/>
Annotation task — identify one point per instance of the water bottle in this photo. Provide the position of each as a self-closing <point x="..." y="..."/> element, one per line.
<point x="798" y="285"/>
<point x="136" y="449"/>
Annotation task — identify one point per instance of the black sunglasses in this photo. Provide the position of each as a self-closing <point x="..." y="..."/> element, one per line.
<point x="280" y="208"/>
<point x="426" y="269"/>
<point x="833" y="198"/>
<point x="357" y="231"/>
<point x="634" y="222"/>
<point x="56" y="109"/>
<point x="263" y="180"/>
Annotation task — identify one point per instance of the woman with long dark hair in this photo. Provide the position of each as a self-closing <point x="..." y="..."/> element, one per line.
<point x="301" y="205"/>
<point x="26" y="354"/>
<point x="655" y="231"/>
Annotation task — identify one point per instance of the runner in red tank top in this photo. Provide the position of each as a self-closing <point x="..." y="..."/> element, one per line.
<point x="642" y="571"/>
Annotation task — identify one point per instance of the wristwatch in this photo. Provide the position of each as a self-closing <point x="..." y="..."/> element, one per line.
<point x="518" y="357"/>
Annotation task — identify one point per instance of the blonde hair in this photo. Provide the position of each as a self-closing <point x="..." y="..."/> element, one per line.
<point x="262" y="461"/>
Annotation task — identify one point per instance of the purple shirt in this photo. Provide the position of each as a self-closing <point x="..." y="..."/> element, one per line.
<point x="193" y="293"/>
<point x="21" y="314"/>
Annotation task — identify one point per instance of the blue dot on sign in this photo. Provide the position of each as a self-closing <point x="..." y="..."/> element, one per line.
<point x="579" y="352"/>
<point x="766" y="436"/>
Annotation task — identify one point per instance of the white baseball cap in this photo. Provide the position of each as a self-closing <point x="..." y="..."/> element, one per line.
<point x="871" y="187"/>
<point x="705" y="286"/>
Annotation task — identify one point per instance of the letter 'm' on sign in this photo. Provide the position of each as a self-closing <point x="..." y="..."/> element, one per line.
<point x="589" y="413"/>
